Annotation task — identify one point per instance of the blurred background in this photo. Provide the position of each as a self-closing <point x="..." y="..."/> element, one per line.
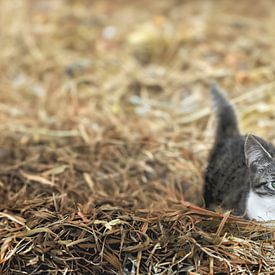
<point x="130" y="80"/>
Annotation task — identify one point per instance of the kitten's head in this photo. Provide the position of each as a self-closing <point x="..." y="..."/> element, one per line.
<point x="261" y="164"/>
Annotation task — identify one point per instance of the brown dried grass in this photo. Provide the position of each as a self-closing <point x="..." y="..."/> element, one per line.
<point x="105" y="128"/>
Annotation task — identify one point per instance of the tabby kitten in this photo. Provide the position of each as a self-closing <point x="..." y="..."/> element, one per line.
<point x="241" y="170"/>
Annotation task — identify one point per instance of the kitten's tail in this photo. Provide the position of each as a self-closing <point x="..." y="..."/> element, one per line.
<point x="227" y="123"/>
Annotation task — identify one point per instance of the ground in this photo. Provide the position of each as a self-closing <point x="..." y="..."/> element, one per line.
<point x="106" y="125"/>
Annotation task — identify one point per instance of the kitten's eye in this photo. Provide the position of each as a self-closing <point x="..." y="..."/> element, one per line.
<point x="272" y="185"/>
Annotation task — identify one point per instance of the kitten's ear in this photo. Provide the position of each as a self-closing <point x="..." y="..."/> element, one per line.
<point x="255" y="153"/>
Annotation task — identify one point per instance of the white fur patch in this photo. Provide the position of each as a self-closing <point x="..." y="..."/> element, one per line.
<point x="260" y="208"/>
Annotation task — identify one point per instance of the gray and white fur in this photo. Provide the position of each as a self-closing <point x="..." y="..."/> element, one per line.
<point x="240" y="175"/>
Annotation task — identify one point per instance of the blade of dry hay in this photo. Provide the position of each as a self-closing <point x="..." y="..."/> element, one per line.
<point x="36" y="178"/>
<point x="14" y="218"/>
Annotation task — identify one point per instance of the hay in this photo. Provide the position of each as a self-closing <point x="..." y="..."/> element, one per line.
<point x="111" y="238"/>
<point x="105" y="128"/>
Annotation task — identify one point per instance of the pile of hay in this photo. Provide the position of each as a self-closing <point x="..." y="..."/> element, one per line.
<point x="105" y="129"/>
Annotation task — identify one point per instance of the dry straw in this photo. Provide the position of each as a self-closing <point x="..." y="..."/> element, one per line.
<point x="105" y="127"/>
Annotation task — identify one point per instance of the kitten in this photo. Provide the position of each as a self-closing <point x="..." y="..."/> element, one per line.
<point x="241" y="171"/>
